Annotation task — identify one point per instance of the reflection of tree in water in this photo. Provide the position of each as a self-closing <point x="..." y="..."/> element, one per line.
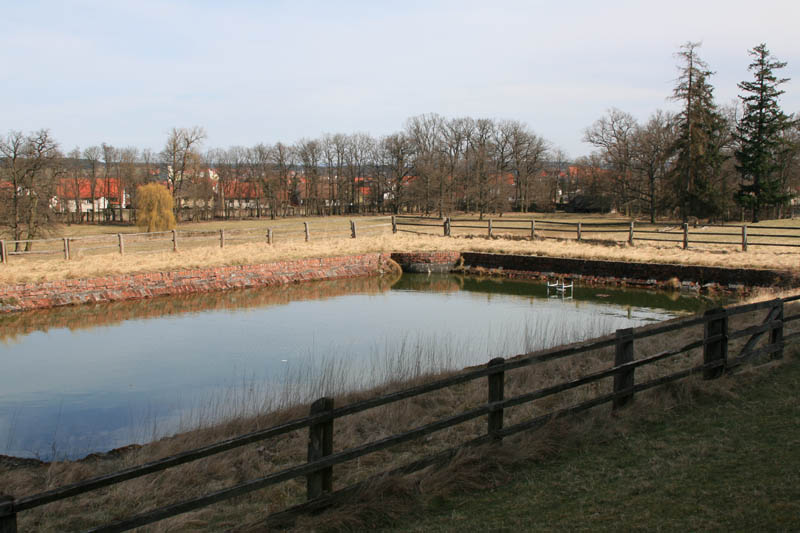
<point x="89" y="316"/>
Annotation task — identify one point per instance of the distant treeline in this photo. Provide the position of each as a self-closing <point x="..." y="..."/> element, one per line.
<point x="703" y="161"/>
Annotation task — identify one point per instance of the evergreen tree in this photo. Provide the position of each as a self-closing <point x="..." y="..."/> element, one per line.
<point x="760" y="136"/>
<point x="698" y="149"/>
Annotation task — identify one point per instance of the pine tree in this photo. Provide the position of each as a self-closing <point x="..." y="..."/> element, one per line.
<point x="760" y="136"/>
<point x="698" y="154"/>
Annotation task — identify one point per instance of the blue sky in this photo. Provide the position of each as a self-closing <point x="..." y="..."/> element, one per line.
<point x="126" y="72"/>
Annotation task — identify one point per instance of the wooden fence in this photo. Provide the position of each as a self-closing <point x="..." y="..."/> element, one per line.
<point x="628" y="231"/>
<point x="159" y="241"/>
<point x="715" y="343"/>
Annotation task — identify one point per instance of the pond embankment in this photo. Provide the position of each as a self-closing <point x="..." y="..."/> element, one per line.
<point x="28" y="296"/>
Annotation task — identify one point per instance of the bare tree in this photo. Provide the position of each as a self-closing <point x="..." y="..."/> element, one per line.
<point x="92" y="156"/>
<point x="652" y="147"/>
<point x="613" y="135"/>
<point x="28" y="164"/>
<point x="309" y="153"/>
<point x="180" y="154"/>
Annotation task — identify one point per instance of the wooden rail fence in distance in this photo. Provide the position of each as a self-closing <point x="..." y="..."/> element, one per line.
<point x="630" y="231"/>
<point x="159" y="241"/>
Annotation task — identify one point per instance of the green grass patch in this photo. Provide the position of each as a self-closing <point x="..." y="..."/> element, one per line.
<point x="728" y="463"/>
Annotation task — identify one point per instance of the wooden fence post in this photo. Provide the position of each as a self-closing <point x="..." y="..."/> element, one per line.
<point x="578" y="230"/>
<point x="624" y="379"/>
<point x="320" y="444"/>
<point x="121" y="244"/>
<point x="447" y="227"/>
<point x="222" y="238"/>
<point x="776" y="333"/>
<point x="744" y="238"/>
<point x="353" y="229"/>
<point x="685" y="235"/>
<point x="3" y="252"/>
<point x="490" y="228"/>
<point x="716" y="325"/>
<point x="269" y="235"/>
<point x="66" y="248"/>
<point x="630" y="234"/>
<point x="394" y="224"/>
<point x="308" y="232"/>
<point x="496" y="394"/>
<point x="533" y="229"/>
<point x="8" y="518"/>
<point x="174" y="240"/>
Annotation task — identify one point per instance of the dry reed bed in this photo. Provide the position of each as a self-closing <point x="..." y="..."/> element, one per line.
<point x="39" y="269"/>
<point x="388" y="496"/>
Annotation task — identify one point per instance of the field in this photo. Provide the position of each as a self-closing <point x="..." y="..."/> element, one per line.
<point x="721" y="462"/>
<point x="94" y="249"/>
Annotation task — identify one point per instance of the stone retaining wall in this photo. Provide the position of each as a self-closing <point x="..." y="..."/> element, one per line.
<point x="425" y="262"/>
<point x="27" y="296"/>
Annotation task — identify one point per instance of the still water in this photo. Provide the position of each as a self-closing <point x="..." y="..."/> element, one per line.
<point x="91" y="378"/>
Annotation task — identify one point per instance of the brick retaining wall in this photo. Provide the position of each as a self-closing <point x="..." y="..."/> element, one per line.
<point x="27" y="296"/>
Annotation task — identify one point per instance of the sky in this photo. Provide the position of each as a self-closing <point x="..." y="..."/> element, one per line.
<point x="125" y="72"/>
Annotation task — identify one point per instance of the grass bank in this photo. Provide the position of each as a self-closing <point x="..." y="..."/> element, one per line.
<point x="725" y="461"/>
<point x="49" y="268"/>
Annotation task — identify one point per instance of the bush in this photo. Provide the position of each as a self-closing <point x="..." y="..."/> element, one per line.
<point x="154" y="208"/>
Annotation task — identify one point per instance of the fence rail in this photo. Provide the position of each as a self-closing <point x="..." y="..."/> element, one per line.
<point x="680" y="234"/>
<point x="159" y="241"/>
<point x="715" y="342"/>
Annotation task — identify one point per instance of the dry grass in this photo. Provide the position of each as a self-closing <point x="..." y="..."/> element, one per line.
<point x="257" y="460"/>
<point x="38" y="270"/>
<point x="96" y="251"/>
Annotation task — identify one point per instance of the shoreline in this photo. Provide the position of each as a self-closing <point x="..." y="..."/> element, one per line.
<point x="52" y="294"/>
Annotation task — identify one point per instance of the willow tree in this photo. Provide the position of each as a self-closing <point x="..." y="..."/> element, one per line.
<point x="760" y="135"/>
<point x="154" y="208"/>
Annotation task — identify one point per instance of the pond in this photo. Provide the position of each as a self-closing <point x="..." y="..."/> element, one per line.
<point x="84" y="379"/>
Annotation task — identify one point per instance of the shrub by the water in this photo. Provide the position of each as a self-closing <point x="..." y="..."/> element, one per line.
<point x="154" y="208"/>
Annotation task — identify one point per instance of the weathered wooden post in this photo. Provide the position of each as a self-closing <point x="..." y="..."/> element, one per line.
<point x="630" y="234"/>
<point x="174" y="240"/>
<point x="394" y="224"/>
<point x="578" y="230"/>
<point x="490" y="228"/>
<point x="222" y="238"/>
<point x="496" y="394"/>
<point x="352" y="229"/>
<point x="308" y="232"/>
<point x="269" y="235"/>
<point x="121" y="244"/>
<point x="447" y="227"/>
<point x="3" y="252"/>
<point x="66" y="248"/>
<point x="744" y="238"/>
<point x="623" y="379"/>
<point x="776" y="333"/>
<point x="320" y="444"/>
<point x="685" y="235"/>
<point x="715" y="342"/>
<point x="533" y="229"/>
<point x="8" y="518"/>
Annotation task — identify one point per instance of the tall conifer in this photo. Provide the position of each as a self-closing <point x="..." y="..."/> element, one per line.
<point x="697" y="151"/>
<point x="760" y="135"/>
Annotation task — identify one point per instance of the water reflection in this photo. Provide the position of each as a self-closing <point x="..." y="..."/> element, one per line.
<point x="91" y="378"/>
